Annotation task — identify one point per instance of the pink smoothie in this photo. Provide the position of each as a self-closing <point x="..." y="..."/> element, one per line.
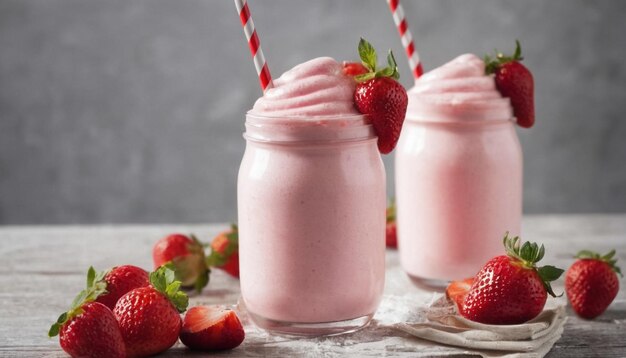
<point x="311" y="202"/>
<point x="458" y="173"/>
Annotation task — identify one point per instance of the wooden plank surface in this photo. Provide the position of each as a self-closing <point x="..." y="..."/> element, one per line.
<point x="44" y="267"/>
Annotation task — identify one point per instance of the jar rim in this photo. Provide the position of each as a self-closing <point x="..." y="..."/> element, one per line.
<point x="313" y="129"/>
<point x="342" y="119"/>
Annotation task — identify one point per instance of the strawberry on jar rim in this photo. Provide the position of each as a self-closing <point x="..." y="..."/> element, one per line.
<point x="516" y="82"/>
<point x="381" y="97"/>
<point x="591" y="283"/>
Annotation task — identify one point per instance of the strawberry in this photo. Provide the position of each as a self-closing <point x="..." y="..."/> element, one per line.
<point x="354" y="68"/>
<point x="391" y="237"/>
<point x="225" y="251"/>
<point x="118" y="281"/>
<point x="88" y="328"/>
<point x="510" y="289"/>
<point x="211" y="328"/>
<point x="187" y="255"/>
<point x="591" y="283"/>
<point x="149" y="317"/>
<point x="381" y="97"/>
<point x="457" y="290"/>
<point x="515" y="81"/>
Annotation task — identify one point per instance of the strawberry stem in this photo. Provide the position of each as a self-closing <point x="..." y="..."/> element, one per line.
<point x="493" y="63"/>
<point x="529" y="254"/>
<point x="164" y="280"/>
<point x="96" y="286"/>
<point x="368" y="56"/>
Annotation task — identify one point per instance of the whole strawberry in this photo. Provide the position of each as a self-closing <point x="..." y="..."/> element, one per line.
<point x="381" y="97"/>
<point x="187" y="255"/>
<point x="516" y="82"/>
<point x="510" y="289"/>
<point x="225" y="251"/>
<point x="88" y="328"/>
<point x="118" y="281"/>
<point x="591" y="283"/>
<point x="149" y="317"/>
<point x="391" y="236"/>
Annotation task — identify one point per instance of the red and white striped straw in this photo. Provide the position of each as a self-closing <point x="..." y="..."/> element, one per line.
<point x="405" y="36"/>
<point x="255" y="45"/>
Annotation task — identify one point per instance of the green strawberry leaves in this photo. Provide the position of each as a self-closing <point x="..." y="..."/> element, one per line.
<point x="493" y="63"/>
<point x="548" y="274"/>
<point x="96" y="286"/>
<point x="529" y="254"/>
<point x="367" y="53"/>
<point x="164" y="280"/>
<point x="608" y="258"/>
<point x="368" y="56"/>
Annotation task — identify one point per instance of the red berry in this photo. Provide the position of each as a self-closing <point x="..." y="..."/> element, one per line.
<point x="89" y="329"/>
<point x="187" y="255"/>
<point x="515" y="81"/>
<point x="510" y="289"/>
<point x="93" y="333"/>
<point x="211" y="328"/>
<point x="381" y="97"/>
<point x="149" y="317"/>
<point x="591" y="283"/>
<point x="354" y="68"/>
<point x="457" y="290"/>
<point x="225" y="251"/>
<point x="120" y="280"/>
<point x="385" y="101"/>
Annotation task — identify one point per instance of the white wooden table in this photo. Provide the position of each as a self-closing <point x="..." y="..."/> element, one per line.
<point x="43" y="267"/>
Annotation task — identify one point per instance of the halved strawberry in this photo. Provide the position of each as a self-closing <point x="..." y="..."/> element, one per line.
<point x="457" y="290"/>
<point x="381" y="97"/>
<point x="354" y="68"/>
<point x="211" y="328"/>
<point x="515" y="81"/>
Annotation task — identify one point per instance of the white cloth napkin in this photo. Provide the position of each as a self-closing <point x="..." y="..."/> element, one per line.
<point x="532" y="339"/>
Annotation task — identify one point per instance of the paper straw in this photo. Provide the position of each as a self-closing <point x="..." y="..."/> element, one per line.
<point x="265" y="78"/>
<point x="405" y="36"/>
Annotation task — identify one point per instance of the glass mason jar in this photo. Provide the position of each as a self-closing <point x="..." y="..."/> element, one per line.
<point x="458" y="191"/>
<point x="311" y="207"/>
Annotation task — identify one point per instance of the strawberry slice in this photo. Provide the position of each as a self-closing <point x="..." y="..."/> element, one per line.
<point x="457" y="290"/>
<point x="354" y="68"/>
<point x="381" y="97"/>
<point x="515" y="81"/>
<point x="211" y="328"/>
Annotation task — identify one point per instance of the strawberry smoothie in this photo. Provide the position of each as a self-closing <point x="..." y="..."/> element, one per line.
<point x="458" y="173"/>
<point x="311" y="203"/>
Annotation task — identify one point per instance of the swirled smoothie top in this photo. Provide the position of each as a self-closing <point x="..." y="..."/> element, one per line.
<point x="457" y="91"/>
<point x="311" y="89"/>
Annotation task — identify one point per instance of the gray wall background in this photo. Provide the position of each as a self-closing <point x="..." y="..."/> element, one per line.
<point x="132" y="110"/>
